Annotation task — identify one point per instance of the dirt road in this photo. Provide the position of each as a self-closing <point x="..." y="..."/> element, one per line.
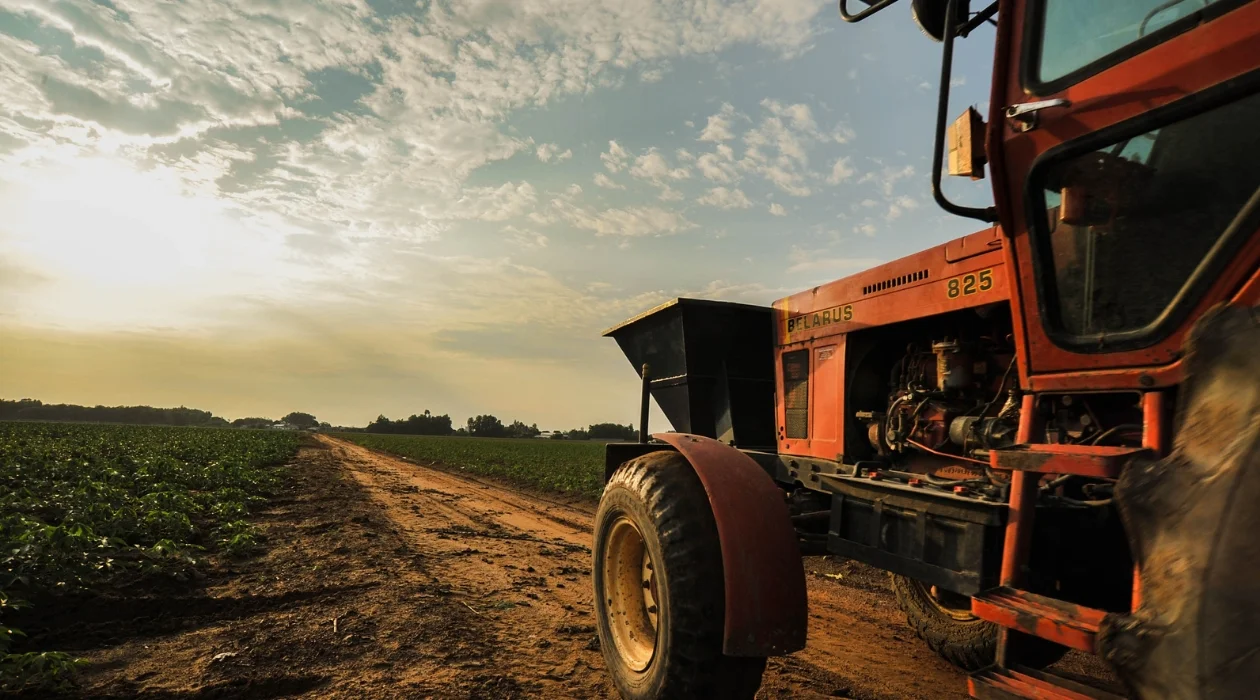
<point x="384" y="578"/>
<point x="530" y="559"/>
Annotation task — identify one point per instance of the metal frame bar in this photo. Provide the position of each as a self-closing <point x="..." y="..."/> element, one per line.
<point x="985" y="214"/>
<point x="849" y="17"/>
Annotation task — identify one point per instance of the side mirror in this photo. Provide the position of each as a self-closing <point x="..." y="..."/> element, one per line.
<point x="966" y="145"/>
<point x="930" y="16"/>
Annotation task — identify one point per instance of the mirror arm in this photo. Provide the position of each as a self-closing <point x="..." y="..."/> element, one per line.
<point x="985" y="214"/>
<point x="981" y="17"/>
<point x="846" y="16"/>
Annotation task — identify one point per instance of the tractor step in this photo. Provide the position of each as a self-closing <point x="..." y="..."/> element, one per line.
<point x="1054" y="620"/>
<point x="1097" y="461"/>
<point x="995" y="683"/>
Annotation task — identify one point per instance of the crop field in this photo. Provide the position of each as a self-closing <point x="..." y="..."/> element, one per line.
<point x="550" y="465"/>
<point x="83" y="504"/>
<point x="161" y="562"/>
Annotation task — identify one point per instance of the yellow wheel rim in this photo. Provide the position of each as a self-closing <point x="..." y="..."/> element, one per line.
<point x="630" y="593"/>
<point x="954" y="605"/>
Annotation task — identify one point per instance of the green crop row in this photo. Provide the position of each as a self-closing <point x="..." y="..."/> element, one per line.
<point x="80" y="504"/>
<point x="550" y="465"/>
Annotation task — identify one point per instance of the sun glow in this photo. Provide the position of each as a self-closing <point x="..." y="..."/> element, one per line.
<point x="120" y="246"/>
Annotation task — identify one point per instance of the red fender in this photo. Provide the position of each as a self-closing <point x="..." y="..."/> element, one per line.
<point x="761" y="560"/>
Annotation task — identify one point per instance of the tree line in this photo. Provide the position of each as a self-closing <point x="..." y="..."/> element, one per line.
<point x="427" y="423"/>
<point x="33" y="410"/>
<point x="486" y="425"/>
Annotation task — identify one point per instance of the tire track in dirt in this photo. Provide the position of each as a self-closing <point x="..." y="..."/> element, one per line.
<point x="523" y="563"/>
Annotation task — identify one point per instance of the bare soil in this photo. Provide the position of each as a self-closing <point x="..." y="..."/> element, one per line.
<point x="383" y="578"/>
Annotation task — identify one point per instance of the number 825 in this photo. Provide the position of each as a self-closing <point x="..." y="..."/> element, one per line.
<point x="970" y="283"/>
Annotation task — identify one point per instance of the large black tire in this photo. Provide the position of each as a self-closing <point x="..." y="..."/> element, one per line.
<point x="960" y="638"/>
<point x="678" y="653"/>
<point x="969" y="643"/>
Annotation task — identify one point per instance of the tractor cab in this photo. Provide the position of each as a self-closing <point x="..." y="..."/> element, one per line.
<point x="1120" y="143"/>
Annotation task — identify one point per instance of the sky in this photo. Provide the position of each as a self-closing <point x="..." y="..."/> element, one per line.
<point x="364" y="207"/>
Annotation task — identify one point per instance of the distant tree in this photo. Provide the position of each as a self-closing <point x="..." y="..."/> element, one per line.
<point x="252" y="422"/>
<point x="426" y="424"/>
<point x="486" y="426"/>
<point x="578" y="434"/>
<point x="301" y="420"/>
<point x="611" y="431"/>
<point x="461" y="431"/>
<point x="519" y="430"/>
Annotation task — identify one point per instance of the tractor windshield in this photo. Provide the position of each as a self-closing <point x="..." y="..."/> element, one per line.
<point x="1137" y="219"/>
<point x="1075" y="34"/>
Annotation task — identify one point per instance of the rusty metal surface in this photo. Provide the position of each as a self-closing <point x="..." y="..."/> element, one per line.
<point x="1099" y="461"/>
<point x="1003" y="684"/>
<point x="1023" y="501"/>
<point x="1058" y="621"/>
<point x="1192" y="522"/>
<point x="761" y="561"/>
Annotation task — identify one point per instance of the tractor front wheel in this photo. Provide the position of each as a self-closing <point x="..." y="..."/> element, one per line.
<point x="659" y="593"/>
<point x="944" y="620"/>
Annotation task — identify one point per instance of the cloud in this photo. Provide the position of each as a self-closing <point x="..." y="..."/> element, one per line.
<point x="409" y="104"/>
<point x="842" y="133"/>
<point x="602" y="180"/>
<point x="899" y="206"/>
<point x="492" y="203"/>
<point x="777" y="148"/>
<point x="525" y="238"/>
<point x="547" y="152"/>
<point x="840" y="172"/>
<point x="886" y="178"/>
<point x="866" y="229"/>
<point x="724" y="198"/>
<point x="777" y="209"/>
<point x="652" y="75"/>
<point x="615" y="159"/>
<point x="825" y="260"/>
<point x="718" y="128"/>
<point x="718" y="166"/>
<point x="669" y="194"/>
<point x="652" y="166"/>
<point x="629" y="222"/>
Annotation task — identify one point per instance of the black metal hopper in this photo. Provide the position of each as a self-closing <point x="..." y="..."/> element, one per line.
<point x="711" y="367"/>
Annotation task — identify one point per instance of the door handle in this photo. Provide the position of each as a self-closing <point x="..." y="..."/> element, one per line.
<point x="1025" y="115"/>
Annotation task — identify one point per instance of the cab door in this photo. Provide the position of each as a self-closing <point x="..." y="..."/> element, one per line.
<point x="1125" y="143"/>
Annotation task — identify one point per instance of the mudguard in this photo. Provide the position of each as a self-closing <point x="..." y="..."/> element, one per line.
<point x="761" y="560"/>
<point x="1192" y="520"/>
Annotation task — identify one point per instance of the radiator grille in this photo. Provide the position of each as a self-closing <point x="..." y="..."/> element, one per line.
<point x="895" y="282"/>
<point x="796" y="394"/>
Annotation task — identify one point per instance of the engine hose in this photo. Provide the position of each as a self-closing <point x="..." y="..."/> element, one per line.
<point x="929" y="450"/>
<point x="1074" y="502"/>
<point x="1112" y="430"/>
<point x="934" y="480"/>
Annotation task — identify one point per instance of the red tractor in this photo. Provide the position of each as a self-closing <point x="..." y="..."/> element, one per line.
<point x="1048" y="431"/>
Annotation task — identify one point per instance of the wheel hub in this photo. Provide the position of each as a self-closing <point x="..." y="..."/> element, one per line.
<point x="953" y="604"/>
<point x="631" y="594"/>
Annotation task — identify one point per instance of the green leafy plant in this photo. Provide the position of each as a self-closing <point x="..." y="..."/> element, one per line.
<point x="549" y="465"/>
<point x="80" y="503"/>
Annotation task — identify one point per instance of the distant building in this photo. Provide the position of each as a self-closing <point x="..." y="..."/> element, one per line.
<point x="545" y="435"/>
